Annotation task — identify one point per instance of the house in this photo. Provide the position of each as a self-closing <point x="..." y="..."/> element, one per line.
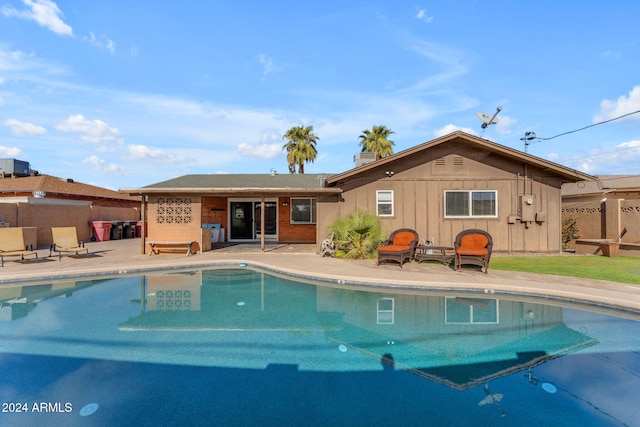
<point x="248" y="207"/>
<point x="438" y="188"/>
<point x="457" y="182"/>
<point x="38" y="202"/>
<point x="602" y="209"/>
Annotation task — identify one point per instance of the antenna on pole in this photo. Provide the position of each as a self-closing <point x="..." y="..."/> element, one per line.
<point x="487" y="119"/>
<point x="528" y="136"/>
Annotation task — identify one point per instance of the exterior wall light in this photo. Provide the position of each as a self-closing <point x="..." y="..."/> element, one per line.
<point x="389" y="173"/>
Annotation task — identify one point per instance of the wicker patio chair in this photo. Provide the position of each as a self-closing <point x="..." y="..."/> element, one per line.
<point x="400" y="246"/>
<point x="473" y="247"/>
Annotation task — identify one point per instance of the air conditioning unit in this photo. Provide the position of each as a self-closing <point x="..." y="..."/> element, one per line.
<point x="14" y="167"/>
<point x="364" y="158"/>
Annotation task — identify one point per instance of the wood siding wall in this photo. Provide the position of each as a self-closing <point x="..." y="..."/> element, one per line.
<point x="419" y="183"/>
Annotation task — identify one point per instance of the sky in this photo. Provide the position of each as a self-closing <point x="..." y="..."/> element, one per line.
<point x="123" y="94"/>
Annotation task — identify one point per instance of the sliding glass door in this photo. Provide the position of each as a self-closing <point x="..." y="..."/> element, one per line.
<point x="245" y="217"/>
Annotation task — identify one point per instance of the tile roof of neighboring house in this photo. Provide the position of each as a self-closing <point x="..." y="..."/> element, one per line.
<point x="568" y="174"/>
<point x="604" y="184"/>
<point x="52" y="185"/>
<point x="219" y="183"/>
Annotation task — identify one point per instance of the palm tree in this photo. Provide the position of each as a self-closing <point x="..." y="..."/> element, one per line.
<point x="377" y="141"/>
<point x="357" y="235"/>
<point x="300" y="147"/>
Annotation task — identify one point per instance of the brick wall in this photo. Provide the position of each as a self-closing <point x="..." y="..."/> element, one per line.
<point x="214" y="211"/>
<point x="293" y="233"/>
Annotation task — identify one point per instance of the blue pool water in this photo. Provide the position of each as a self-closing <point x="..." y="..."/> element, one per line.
<point x="238" y="347"/>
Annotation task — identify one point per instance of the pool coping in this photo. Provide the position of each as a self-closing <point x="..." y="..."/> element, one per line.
<point x="303" y="265"/>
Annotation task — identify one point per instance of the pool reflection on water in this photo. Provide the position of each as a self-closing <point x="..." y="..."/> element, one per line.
<point x="242" y="347"/>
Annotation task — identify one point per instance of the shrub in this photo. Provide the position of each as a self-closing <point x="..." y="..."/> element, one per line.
<point x="570" y="230"/>
<point x="357" y="235"/>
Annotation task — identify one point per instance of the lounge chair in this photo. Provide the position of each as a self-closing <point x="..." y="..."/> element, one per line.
<point x="65" y="239"/>
<point x="473" y="247"/>
<point x="400" y="246"/>
<point x="12" y="244"/>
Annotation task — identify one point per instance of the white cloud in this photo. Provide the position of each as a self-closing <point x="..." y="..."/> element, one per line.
<point x="623" y="105"/>
<point x="623" y="158"/>
<point x="10" y="151"/>
<point x="142" y="152"/>
<point x="1" y="101"/>
<point x="102" y="43"/>
<point x="268" y="66"/>
<point x="19" y="128"/>
<point x="452" y="128"/>
<point x="452" y="63"/>
<point x="44" y="12"/>
<point x="263" y="151"/>
<point x="95" y="131"/>
<point x="505" y="125"/>
<point x="422" y="15"/>
<point x="99" y="164"/>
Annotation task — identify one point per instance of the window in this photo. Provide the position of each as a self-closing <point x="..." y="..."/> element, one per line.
<point x="461" y="204"/>
<point x="385" y="311"/>
<point x="471" y="310"/>
<point x="384" y="201"/>
<point x="303" y="211"/>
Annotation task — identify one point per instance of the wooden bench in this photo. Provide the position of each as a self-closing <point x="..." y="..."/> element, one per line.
<point x="155" y="246"/>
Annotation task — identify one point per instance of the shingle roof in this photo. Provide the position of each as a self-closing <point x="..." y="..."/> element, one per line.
<point x="239" y="183"/>
<point x="603" y="184"/>
<point x="243" y="181"/>
<point x="54" y="185"/>
<point x="570" y="175"/>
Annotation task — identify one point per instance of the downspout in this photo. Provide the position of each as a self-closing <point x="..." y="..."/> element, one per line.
<point x="143" y="227"/>
<point x="262" y="209"/>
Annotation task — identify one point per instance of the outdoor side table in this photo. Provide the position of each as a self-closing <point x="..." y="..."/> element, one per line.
<point x="434" y="253"/>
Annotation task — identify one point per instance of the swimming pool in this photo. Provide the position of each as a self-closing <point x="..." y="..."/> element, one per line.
<point x="243" y="347"/>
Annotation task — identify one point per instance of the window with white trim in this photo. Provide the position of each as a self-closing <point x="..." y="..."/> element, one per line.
<point x="386" y="311"/>
<point x="303" y="211"/>
<point x="471" y="203"/>
<point x="471" y="310"/>
<point x="384" y="202"/>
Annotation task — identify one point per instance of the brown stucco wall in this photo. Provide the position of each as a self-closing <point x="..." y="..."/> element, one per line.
<point x="174" y="218"/>
<point x="45" y="216"/>
<point x="606" y="219"/>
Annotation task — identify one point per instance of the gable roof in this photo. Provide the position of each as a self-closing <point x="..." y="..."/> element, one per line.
<point x="605" y="184"/>
<point x="239" y="183"/>
<point x="53" y="185"/>
<point x="567" y="174"/>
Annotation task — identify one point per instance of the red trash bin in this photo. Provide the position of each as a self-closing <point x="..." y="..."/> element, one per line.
<point x="101" y="230"/>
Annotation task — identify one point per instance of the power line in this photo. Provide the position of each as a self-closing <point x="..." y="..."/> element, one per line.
<point x="587" y="127"/>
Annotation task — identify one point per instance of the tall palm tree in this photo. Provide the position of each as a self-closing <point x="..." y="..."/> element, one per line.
<point x="377" y="141"/>
<point x="300" y="147"/>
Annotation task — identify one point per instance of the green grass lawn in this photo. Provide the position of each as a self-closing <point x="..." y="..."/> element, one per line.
<point x="618" y="269"/>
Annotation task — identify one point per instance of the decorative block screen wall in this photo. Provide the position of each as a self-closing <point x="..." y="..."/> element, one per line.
<point x="174" y="210"/>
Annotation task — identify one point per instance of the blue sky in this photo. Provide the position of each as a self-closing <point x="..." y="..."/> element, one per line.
<point x="123" y="94"/>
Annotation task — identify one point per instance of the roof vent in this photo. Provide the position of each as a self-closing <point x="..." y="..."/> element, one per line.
<point x="364" y="158"/>
<point x="69" y="180"/>
<point x="273" y="171"/>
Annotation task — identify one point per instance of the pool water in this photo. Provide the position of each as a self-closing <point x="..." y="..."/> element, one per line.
<point x="242" y="347"/>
